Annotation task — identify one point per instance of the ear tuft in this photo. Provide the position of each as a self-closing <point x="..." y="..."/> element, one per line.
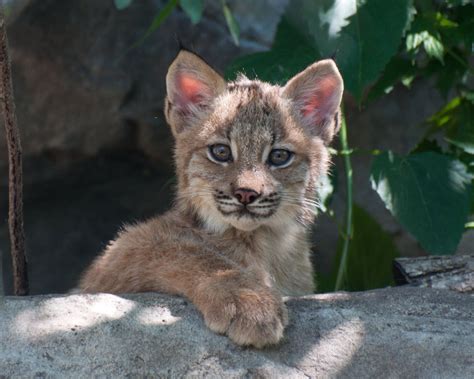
<point x="191" y="86"/>
<point x="316" y="94"/>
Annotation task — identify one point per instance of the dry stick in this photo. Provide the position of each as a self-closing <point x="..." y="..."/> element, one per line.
<point x="15" y="185"/>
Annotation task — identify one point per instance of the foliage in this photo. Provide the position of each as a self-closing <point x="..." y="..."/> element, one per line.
<point x="428" y="192"/>
<point x="456" y="119"/>
<point x="378" y="45"/>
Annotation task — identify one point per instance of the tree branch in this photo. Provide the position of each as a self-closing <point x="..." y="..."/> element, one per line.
<point x="15" y="182"/>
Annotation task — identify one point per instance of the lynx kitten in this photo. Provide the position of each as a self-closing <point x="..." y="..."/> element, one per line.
<point x="249" y="157"/>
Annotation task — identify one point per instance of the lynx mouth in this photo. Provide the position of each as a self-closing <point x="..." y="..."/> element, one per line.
<point x="244" y="211"/>
<point x="254" y="211"/>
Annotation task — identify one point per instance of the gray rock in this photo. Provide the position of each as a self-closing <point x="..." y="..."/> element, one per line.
<point x="391" y="333"/>
<point x="70" y="216"/>
<point x="79" y="86"/>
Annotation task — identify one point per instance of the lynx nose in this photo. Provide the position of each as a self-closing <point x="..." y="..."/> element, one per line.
<point x="246" y="196"/>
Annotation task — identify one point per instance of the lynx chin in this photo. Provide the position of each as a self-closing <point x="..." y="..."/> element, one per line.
<point x="249" y="158"/>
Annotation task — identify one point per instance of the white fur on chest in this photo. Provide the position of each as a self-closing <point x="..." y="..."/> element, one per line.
<point x="284" y="255"/>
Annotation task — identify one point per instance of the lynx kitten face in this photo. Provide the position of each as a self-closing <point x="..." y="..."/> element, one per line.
<point x="249" y="153"/>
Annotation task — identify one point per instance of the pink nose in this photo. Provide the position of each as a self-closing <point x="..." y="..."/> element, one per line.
<point x="246" y="196"/>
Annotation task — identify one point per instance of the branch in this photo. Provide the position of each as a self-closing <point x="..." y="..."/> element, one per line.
<point x="15" y="183"/>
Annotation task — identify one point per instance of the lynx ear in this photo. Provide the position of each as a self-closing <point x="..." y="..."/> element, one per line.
<point x="191" y="85"/>
<point x="316" y="94"/>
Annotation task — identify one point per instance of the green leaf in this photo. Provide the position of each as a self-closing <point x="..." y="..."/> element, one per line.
<point x="461" y="132"/>
<point x="158" y="20"/>
<point x="427" y="145"/>
<point x="432" y="45"/>
<point x="364" y="45"/>
<point x="428" y="193"/>
<point x="370" y="257"/>
<point x="397" y="70"/>
<point x="364" y="40"/>
<point x="193" y="9"/>
<point x="162" y="16"/>
<point x="434" y="48"/>
<point x="444" y="117"/>
<point x="447" y="36"/>
<point x="231" y="23"/>
<point x="282" y="62"/>
<point x="457" y="119"/>
<point x="122" y="4"/>
<point x="370" y="39"/>
<point x="320" y="22"/>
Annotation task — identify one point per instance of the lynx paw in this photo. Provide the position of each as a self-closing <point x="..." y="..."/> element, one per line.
<point x="249" y="316"/>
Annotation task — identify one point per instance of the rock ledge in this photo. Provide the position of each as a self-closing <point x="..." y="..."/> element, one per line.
<point x="394" y="332"/>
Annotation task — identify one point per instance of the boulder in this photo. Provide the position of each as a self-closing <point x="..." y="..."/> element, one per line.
<point x="395" y="332"/>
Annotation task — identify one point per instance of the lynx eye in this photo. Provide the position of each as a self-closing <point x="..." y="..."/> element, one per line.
<point x="280" y="157"/>
<point x="220" y="153"/>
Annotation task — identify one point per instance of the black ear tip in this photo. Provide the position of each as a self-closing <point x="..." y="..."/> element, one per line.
<point x="179" y="42"/>
<point x="333" y="55"/>
<point x="182" y="47"/>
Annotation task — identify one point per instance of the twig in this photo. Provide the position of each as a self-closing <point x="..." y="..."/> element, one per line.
<point x="15" y="185"/>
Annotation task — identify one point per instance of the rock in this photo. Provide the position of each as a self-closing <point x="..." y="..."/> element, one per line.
<point x="73" y="212"/>
<point x="395" y="332"/>
<point x="79" y="86"/>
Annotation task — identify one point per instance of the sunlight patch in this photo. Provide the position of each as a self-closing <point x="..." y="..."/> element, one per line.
<point x="337" y="347"/>
<point x="157" y="316"/>
<point x="62" y="314"/>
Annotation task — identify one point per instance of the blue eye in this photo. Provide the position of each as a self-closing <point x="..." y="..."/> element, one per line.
<point x="220" y="152"/>
<point x="279" y="157"/>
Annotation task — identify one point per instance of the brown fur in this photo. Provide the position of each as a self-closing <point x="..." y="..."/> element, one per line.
<point x="233" y="266"/>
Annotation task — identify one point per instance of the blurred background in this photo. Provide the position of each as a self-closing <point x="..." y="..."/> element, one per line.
<point x="89" y="92"/>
